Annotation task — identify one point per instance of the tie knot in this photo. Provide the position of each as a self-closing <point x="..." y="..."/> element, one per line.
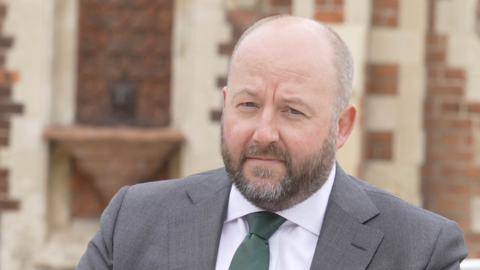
<point x="264" y="224"/>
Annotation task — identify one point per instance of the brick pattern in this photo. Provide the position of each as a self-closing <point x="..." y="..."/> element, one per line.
<point x="121" y="41"/>
<point x="379" y="145"/>
<point x="124" y="47"/>
<point x="240" y="19"/>
<point x="381" y="79"/>
<point x="450" y="178"/>
<point x="7" y="108"/>
<point x="385" y="13"/>
<point x="329" y="11"/>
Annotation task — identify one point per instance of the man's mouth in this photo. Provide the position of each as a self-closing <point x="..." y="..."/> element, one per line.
<point x="267" y="160"/>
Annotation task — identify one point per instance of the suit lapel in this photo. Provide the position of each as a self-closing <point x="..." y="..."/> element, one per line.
<point x="195" y="230"/>
<point x="345" y="242"/>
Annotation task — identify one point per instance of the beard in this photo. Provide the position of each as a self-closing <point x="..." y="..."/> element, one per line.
<point x="275" y="192"/>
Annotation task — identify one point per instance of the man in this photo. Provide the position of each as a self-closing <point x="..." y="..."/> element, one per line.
<point x="285" y="114"/>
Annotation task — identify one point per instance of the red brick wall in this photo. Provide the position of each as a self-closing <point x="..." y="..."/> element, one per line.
<point x="379" y="145"/>
<point x="119" y="41"/>
<point x="7" y="108"/>
<point x="385" y="13"/>
<point x="381" y="79"/>
<point x="329" y="11"/>
<point x="450" y="178"/>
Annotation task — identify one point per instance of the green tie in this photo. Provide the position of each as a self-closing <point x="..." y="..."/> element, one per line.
<point x="254" y="253"/>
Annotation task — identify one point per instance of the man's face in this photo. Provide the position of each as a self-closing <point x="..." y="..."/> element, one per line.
<point x="278" y="133"/>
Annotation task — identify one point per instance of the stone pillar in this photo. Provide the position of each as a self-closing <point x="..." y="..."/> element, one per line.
<point x="393" y="149"/>
<point x="45" y="56"/>
<point x="199" y="26"/>
<point x="352" y="24"/>
<point x="351" y="20"/>
<point x="24" y="231"/>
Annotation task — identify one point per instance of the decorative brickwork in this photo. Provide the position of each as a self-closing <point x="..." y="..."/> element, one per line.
<point x="329" y="11"/>
<point x="7" y="108"/>
<point x="385" y="13"/>
<point x="379" y="145"/>
<point x="381" y="79"/>
<point x="124" y="62"/>
<point x="450" y="176"/>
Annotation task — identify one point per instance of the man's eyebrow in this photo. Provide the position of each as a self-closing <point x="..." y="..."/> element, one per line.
<point x="298" y="101"/>
<point x="294" y="100"/>
<point x="247" y="91"/>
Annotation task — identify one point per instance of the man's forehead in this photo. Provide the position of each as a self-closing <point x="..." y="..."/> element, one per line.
<point x="293" y="29"/>
<point x="288" y="47"/>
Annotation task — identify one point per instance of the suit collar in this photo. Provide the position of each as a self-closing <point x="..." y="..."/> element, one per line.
<point x="351" y="198"/>
<point x="195" y="230"/>
<point x="345" y="242"/>
<point x="208" y="184"/>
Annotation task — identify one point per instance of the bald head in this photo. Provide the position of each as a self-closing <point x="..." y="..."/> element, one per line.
<point x="286" y="36"/>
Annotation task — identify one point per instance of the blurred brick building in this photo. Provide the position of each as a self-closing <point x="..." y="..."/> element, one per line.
<point x="96" y="94"/>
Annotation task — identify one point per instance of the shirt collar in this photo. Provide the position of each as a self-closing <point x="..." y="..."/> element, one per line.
<point x="308" y="214"/>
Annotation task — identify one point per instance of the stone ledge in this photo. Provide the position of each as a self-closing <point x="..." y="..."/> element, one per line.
<point x="87" y="133"/>
<point x="117" y="156"/>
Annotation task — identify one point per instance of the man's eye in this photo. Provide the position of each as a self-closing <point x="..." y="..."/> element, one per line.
<point x="249" y="104"/>
<point x="293" y="111"/>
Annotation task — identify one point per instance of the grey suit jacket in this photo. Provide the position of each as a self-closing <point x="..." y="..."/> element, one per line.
<point x="177" y="224"/>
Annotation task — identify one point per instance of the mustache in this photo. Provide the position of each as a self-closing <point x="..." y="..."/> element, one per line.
<point x="271" y="150"/>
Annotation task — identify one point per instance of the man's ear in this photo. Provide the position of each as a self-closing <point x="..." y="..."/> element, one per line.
<point x="346" y="122"/>
<point x="224" y="91"/>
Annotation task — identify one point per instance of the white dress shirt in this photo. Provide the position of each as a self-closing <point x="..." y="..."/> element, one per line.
<point x="292" y="246"/>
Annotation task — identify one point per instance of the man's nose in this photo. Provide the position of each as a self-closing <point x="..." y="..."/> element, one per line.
<point x="266" y="130"/>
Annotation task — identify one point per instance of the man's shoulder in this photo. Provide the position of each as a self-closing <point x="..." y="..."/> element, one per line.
<point x="411" y="234"/>
<point x="174" y="189"/>
<point x="393" y="207"/>
<point x="181" y="182"/>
